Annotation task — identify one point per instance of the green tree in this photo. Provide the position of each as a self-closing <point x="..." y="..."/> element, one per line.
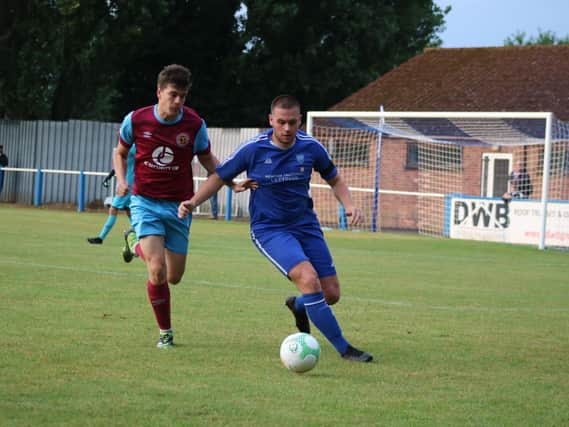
<point x="98" y="59"/>
<point x="29" y="40"/>
<point x="84" y="85"/>
<point x="520" y="38"/>
<point x="200" y="34"/>
<point x="55" y="60"/>
<point x="323" y="51"/>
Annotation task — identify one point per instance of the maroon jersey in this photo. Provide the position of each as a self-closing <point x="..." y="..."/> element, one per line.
<point x="164" y="151"/>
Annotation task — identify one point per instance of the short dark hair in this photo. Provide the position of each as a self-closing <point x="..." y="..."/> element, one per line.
<point x="285" y="101"/>
<point x="175" y="74"/>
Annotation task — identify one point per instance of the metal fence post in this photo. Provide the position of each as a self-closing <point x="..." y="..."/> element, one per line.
<point x="81" y="195"/>
<point x="39" y="185"/>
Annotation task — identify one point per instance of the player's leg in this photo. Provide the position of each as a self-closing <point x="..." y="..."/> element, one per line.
<point x="287" y="254"/>
<point x="284" y="251"/>
<point x="157" y="286"/>
<point x="150" y="230"/>
<point x="131" y="247"/>
<point x="331" y="288"/>
<point x="166" y="263"/>
<point x="154" y="257"/>
<point x="318" y="303"/>
<point x="316" y="250"/>
<point x="320" y="313"/>
<point x="176" y="243"/>
<point x="176" y="266"/>
<point x="107" y="226"/>
<point x="306" y="280"/>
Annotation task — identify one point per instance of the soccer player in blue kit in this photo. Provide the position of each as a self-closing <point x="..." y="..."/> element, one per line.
<point x="284" y="226"/>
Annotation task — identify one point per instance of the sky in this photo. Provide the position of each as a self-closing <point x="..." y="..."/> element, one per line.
<point x="481" y="23"/>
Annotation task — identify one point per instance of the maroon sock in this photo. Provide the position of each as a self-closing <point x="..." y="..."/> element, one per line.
<point x="139" y="252"/>
<point x="159" y="296"/>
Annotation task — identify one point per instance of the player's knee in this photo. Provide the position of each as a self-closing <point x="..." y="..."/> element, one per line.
<point x="157" y="278"/>
<point x="174" y="280"/>
<point x="331" y="289"/>
<point x="309" y="279"/>
<point x="305" y="278"/>
<point x="175" y="273"/>
<point x="332" y="297"/>
<point x="157" y="272"/>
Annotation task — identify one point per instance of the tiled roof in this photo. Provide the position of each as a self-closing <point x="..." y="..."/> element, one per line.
<point x="513" y="78"/>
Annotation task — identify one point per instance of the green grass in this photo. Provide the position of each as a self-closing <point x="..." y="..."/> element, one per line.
<point x="466" y="333"/>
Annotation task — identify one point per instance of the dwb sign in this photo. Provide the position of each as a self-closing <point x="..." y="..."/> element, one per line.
<point x="476" y="218"/>
<point x="481" y="213"/>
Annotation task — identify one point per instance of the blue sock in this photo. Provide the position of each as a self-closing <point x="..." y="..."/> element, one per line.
<point x="321" y="315"/>
<point x="111" y="219"/>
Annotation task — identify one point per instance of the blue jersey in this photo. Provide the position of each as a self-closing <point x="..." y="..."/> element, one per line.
<point x="283" y="196"/>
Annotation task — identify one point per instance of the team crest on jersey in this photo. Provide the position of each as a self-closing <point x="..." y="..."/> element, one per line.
<point x="300" y="158"/>
<point x="182" y="139"/>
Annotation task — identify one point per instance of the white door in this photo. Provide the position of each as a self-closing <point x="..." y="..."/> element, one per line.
<point x="495" y="170"/>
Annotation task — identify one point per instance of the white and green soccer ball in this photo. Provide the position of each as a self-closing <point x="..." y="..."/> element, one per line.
<point x="300" y="352"/>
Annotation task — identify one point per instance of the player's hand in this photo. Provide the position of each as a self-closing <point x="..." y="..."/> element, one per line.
<point x="355" y="214"/>
<point x="122" y="189"/>
<point x="247" y="184"/>
<point x="185" y="208"/>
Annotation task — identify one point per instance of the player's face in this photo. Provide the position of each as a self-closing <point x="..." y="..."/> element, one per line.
<point x="170" y="100"/>
<point x="285" y="123"/>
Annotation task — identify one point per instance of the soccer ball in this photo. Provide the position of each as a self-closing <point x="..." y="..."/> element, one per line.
<point x="300" y="352"/>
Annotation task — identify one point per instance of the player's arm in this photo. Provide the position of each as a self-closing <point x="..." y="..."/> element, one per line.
<point x="210" y="162"/>
<point x="119" y="163"/>
<point x="342" y="193"/>
<point x="206" y="190"/>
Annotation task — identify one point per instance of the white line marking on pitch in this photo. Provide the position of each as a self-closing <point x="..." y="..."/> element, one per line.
<point x="277" y="290"/>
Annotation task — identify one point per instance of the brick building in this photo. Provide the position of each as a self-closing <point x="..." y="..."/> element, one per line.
<point x="512" y="79"/>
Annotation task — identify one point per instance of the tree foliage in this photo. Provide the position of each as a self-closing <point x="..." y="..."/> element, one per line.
<point x="323" y="51"/>
<point x="547" y="38"/>
<point x="98" y="59"/>
<point x="29" y="38"/>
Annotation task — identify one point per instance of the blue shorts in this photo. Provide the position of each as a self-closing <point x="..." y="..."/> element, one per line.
<point x="153" y="217"/>
<point x="121" y="202"/>
<point x="286" y="248"/>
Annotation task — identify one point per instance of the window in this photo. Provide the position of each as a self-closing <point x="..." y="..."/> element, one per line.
<point x="412" y="161"/>
<point x="433" y="156"/>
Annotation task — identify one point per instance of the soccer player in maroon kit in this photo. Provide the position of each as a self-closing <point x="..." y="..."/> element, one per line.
<point x="167" y="136"/>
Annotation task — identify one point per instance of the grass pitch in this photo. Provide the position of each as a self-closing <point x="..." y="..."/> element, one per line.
<point x="464" y="333"/>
